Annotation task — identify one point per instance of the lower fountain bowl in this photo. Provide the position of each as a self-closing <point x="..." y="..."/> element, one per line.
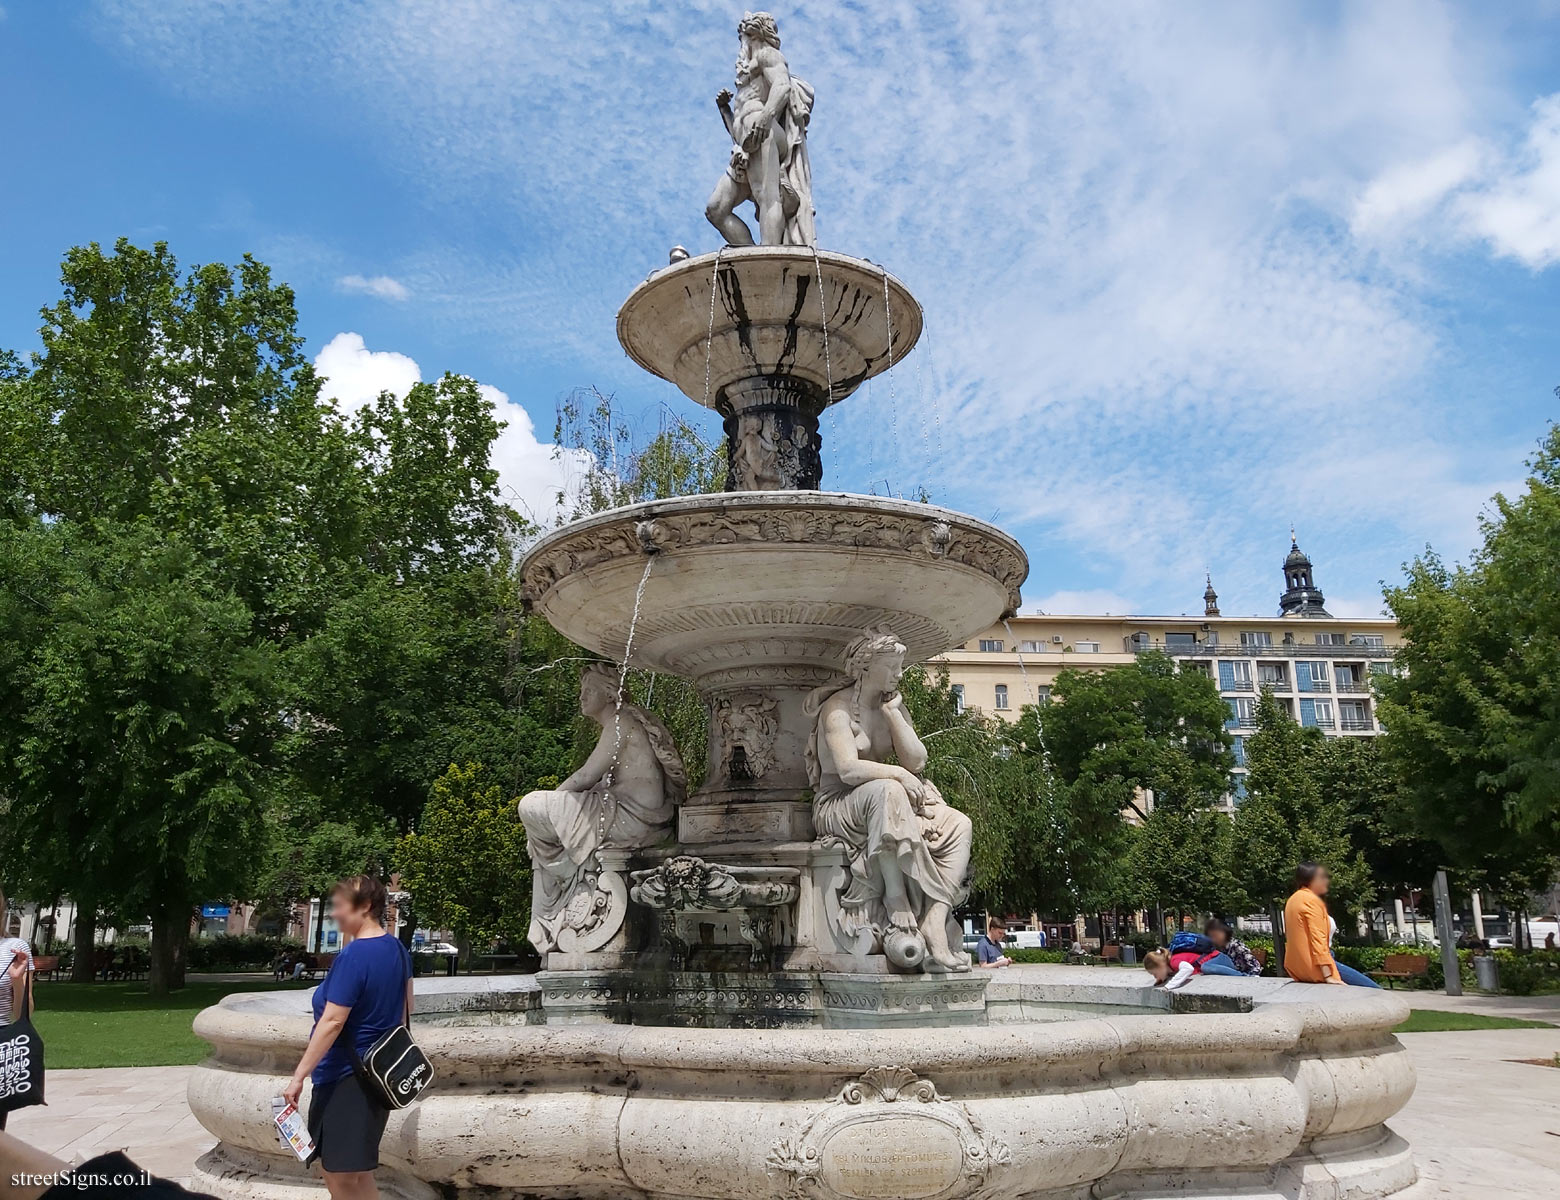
<point x="778" y="581"/>
<point x="1083" y="1083"/>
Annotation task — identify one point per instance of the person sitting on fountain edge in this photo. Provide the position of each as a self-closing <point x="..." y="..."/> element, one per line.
<point x="909" y="851"/>
<point x="988" y="951"/>
<point x="1189" y="954"/>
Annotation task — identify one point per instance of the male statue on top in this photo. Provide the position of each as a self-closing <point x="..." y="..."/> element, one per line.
<point x="768" y="128"/>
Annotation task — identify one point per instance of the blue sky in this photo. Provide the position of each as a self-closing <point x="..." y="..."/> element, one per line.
<point x="1191" y="272"/>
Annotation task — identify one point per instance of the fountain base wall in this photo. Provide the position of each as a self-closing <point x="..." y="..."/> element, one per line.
<point x="1135" y="1100"/>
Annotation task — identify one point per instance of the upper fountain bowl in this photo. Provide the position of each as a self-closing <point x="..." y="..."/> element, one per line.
<point x="772" y="582"/>
<point x="769" y="323"/>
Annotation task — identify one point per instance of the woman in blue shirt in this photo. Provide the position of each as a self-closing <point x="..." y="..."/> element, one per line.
<point x="367" y="993"/>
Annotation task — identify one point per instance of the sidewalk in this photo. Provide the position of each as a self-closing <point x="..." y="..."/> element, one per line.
<point x="1523" y="1008"/>
<point x="139" y="1109"/>
<point x="1480" y="1124"/>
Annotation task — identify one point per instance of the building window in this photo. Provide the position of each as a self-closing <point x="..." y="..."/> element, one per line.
<point x="1086" y="647"/>
<point x="958" y="697"/>
<point x="1329" y="639"/>
<point x="991" y="645"/>
<point x="1174" y="641"/>
<point x="1031" y="647"/>
<point x="1043" y="695"/>
<point x="1240" y="751"/>
<point x="1197" y="668"/>
<point x="1002" y="700"/>
<point x="1243" y="711"/>
<point x="1272" y="675"/>
<point x="1374" y="640"/>
<point x="1312" y="676"/>
<point x="1235" y="676"/>
<point x="1354" y="716"/>
<point x="1255" y="637"/>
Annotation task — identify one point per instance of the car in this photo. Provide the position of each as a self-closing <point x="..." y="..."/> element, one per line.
<point x="1499" y="943"/>
<point x="1028" y="939"/>
<point x="436" y="948"/>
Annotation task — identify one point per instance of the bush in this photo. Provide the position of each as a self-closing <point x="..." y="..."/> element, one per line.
<point x="237" y="951"/>
<point x="1034" y="954"/>
<point x="1528" y="973"/>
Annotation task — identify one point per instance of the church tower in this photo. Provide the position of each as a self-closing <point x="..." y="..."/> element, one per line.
<point x="1301" y="598"/>
<point x="1210" y="599"/>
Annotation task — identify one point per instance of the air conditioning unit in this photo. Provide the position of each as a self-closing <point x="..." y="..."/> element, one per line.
<point x="1056" y="639"/>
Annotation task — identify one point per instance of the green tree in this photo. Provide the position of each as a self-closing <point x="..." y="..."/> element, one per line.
<point x="1473" y="714"/>
<point x="466" y="864"/>
<point x="1294" y="811"/>
<point x="1149" y="740"/>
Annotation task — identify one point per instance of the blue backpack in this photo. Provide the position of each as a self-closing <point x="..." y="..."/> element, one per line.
<point x="1192" y="943"/>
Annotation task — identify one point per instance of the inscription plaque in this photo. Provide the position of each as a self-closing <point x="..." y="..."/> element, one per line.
<point x="886" y="1135"/>
<point x="889" y="1157"/>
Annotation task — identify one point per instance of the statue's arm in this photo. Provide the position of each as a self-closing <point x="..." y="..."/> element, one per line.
<point x="908" y="747"/>
<point x="723" y="106"/>
<point x="778" y="76"/>
<point x="852" y="769"/>
<point x="594" y="767"/>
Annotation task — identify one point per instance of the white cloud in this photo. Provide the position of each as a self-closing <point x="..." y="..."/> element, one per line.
<point x="1518" y="212"/>
<point x="1148" y="239"/>
<point x="1408" y="191"/>
<point x="531" y="473"/>
<point x="381" y="287"/>
<point x="355" y="375"/>
<point x="1071" y="603"/>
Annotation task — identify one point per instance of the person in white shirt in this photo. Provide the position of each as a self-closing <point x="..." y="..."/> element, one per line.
<point x="16" y="962"/>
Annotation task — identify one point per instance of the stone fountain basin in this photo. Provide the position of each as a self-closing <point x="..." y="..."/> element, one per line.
<point x="782" y="580"/>
<point x="1283" y="1093"/>
<point x="768" y="321"/>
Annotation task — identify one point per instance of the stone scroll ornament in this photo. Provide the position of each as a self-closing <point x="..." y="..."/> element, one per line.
<point x="624" y="798"/>
<point x="767" y="121"/>
<point x="888" y="1133"/>
<point x="908" y="852"/>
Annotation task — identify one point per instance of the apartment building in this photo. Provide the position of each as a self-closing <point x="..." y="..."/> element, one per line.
<point x="1318" y="666"/>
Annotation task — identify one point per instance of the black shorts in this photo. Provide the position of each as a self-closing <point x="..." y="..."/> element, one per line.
<point x="346" y="1126"/>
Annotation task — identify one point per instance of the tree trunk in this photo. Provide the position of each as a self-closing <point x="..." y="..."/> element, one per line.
<point x="86" y="942"/>
<point x="1276" y="918"/>
<point x="170" y="931"/>
<point x="319" y="928"/>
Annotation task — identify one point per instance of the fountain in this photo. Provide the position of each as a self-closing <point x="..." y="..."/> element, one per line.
<point x="757" y="990"/>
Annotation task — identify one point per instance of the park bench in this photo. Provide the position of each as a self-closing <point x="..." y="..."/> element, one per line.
<point x="46" y="966"/>
<point x="1110" y="954"/>
<point x="1403" y="966"/>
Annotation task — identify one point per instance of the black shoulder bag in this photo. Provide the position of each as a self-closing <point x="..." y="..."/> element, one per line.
<point x="395" y="1071"/>
<point x="21" y="1057"/>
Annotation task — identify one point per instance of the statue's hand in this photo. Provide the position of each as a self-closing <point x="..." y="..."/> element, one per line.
<point x="914" y="789"/>
<point x="723" y="98"/>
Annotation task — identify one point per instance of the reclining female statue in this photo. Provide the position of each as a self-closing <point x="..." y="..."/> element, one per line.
<point x="909" y="851"/>
<point x="624" y="797"/>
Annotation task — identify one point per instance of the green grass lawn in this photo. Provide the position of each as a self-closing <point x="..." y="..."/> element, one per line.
<point x="1428" y="1020"/>
<point x="120" y="1025"/>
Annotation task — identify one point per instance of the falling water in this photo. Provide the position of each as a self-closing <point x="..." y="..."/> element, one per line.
<point x="1029" y="688"/>
<point x="893" y="401"/>
<point x="607" y="807"/>
<point x="709" y="342"/>
<point x="828" y="366"/>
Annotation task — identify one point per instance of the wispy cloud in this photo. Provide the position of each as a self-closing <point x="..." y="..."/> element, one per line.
<point x="381" y="287"/>
<point x="1156" y="245"/>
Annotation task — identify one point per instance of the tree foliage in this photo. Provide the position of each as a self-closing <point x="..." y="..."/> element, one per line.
<point x="1473" y="717"/>
<point x="466" y="863"/>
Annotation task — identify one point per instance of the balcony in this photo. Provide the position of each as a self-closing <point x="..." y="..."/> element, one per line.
<point x="1317" y="685"/>
<point x="1235" y="650"/>
<point x="1354" y="685"/>
<point x="1238" y="685"/>
<point x="1323" y="722"/>
<point x="1357" y="725"/>
<point x="1280" y="684"/>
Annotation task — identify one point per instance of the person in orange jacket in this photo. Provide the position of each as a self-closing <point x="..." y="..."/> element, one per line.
<point x="1308" y="953"/>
